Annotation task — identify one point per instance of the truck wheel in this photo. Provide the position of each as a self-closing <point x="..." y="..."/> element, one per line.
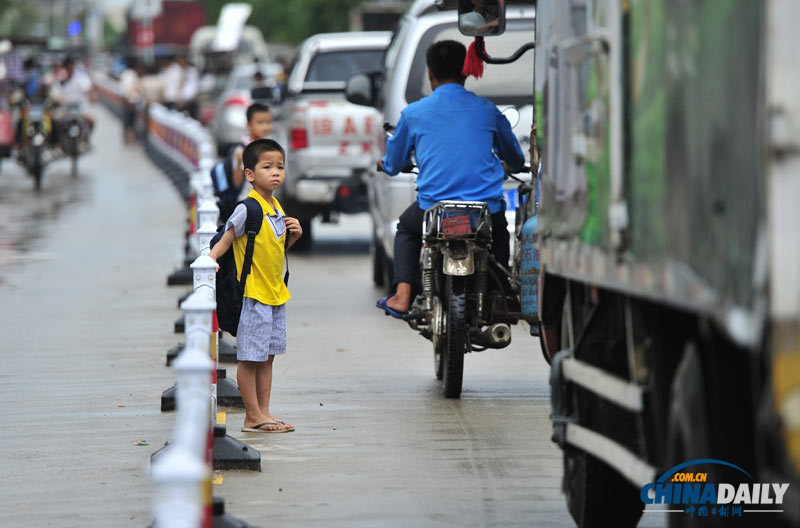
<point x="378" y="263"/>
<point x="596" y="494"/>
<point x="304" y="244"/>
<point x="687" y="437"/>
<point x="456" y="340"/>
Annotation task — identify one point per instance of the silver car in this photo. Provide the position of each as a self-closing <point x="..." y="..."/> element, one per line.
<point x="229" y="123"/>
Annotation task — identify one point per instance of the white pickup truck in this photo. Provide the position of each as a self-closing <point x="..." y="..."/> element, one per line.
<point x="330" y="143"/>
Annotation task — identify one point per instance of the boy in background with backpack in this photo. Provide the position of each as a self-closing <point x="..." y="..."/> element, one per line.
<point x="228" y="173"/>
<point x="261" y="333"/>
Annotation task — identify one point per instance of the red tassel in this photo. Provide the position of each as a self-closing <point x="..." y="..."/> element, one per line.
<point x="473" y="65"/>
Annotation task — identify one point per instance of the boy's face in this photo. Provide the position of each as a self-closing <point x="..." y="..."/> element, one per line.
<point x="268" y="173"/>
<point x="261" y="125"/>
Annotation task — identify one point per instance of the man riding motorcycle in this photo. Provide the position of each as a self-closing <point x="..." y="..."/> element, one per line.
<point x="458" y="140"/>
<point x="73" y="91"/>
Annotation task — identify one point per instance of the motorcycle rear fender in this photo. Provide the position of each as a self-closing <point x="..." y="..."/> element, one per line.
<point x="459" y="262"/>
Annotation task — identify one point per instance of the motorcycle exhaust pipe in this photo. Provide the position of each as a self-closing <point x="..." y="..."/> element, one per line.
<point x="497" y="335"/>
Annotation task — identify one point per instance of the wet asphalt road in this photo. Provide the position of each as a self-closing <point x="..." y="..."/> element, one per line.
<point x="86" y="321"/>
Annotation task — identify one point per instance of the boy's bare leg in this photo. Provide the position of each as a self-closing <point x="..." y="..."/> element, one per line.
<point x="264" y="384"/>
<point x="246" y="376"/>
<point x="401" y="298"/>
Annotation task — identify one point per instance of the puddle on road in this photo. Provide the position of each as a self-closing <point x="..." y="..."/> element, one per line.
<point x="27" y="215"/>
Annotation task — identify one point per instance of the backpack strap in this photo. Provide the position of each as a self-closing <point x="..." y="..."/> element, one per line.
<point x="286" y="257"/>
<point x="252" y="225"/>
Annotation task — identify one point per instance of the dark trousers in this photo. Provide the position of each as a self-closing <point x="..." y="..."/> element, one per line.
<point x="408" y="243"/>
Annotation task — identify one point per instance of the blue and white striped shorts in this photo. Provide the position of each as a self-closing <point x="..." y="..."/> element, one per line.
<point x="261" y="332"/>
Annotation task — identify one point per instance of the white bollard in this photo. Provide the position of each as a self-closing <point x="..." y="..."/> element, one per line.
<point x="180" y="478"/>
<point x="207" y="213"/>
<point x="205" y="280"/>
<point x="193" y="394"/>
<point x="205" y="273"/>
<point x="204" y="235"/>
<point x="198" y="325"/>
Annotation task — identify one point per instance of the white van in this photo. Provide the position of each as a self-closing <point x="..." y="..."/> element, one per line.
<point x="405" y="80"/>
<point x="251" y="46"/>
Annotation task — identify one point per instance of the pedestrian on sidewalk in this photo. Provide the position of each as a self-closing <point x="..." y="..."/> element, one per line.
<point x="261" y="334"/>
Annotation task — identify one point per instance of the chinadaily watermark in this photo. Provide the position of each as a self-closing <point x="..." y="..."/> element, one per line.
<point x="682" y="490"/>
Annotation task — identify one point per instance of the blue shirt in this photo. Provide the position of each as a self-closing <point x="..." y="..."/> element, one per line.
<point x="454" y="135"/>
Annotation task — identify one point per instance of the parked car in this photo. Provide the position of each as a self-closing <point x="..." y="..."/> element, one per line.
<point x="403" y="80"/>
<point x="229" y="122"/>
<point x="330" y="142"/>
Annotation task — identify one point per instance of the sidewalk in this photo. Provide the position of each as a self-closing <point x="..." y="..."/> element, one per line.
<point x="85" y="328"/>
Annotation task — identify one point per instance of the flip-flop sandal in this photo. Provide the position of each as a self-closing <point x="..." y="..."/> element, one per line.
<point x="389" y="311"/>
<point x="290" y="428"/>
<point x="258" y="428"/>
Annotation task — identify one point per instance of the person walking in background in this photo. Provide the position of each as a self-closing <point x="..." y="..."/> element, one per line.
<point x="171" y="80"/>
<point x="261" y="334"/>
<point x="130" y="84"/>
<point x="190" y="87"/>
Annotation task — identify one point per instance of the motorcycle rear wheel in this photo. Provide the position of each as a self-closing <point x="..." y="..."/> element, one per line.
<point x="457" y="339"/>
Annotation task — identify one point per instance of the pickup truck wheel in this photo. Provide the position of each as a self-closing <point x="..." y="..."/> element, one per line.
<point x="304" y="244"/>
<point x="378" y="263"/>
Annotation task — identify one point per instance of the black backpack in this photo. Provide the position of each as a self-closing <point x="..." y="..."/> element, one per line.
<point x="230" y="290"/>
<point x="225" y="190"/>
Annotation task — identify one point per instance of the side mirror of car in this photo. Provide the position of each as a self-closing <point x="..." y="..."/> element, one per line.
<point x="481" y="18"/>
<point x="363" y="88"/>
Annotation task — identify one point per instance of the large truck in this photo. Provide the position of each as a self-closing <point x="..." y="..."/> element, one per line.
<point x="171" y="31"/>
<point x="668" y="294"/>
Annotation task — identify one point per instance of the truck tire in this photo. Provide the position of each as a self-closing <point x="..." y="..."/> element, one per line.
<point x="687" y="434"/>
<point x="597" y="495"/>
<point x="456" y="341"/>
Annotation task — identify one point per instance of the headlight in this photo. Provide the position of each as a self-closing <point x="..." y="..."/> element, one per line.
<point x="38" y="140"/>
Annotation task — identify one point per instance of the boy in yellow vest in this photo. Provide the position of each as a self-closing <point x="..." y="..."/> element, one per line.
<point x="262" y="326"/>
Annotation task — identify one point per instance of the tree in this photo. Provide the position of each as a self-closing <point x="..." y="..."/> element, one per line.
<point x="292" y="20"/>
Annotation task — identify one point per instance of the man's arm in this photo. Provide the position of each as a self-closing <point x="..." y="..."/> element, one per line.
<point x="398" y="148"/>
<point x="506" y="143"/>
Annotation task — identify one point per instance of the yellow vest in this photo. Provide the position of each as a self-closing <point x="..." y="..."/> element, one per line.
<point x="265" y="282"/>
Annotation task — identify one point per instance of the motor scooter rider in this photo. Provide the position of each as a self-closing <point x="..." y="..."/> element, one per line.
<point x="75" y="89"/>
<point x="458" y="140"/>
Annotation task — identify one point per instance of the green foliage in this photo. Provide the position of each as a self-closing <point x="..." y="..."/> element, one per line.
<point x="17" y="17"/>
<point x="292" y="20"/>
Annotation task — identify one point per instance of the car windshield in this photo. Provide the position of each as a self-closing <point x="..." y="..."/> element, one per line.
<point x="339" y="65"/>
<point x="501" y="83"/>
<point x="243" y="81"/>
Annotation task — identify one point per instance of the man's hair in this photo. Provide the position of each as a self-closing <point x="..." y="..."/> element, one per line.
<point x="254" y="108"/>
<point x="254" y="149"/>
<point x="446" y="60"/>
<point x="69" y="61"/>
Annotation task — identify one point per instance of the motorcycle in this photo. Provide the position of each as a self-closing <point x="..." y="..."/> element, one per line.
<point x="37" y="128"/>
<point x="467" y="302"/>
<point x="74" y="136"/>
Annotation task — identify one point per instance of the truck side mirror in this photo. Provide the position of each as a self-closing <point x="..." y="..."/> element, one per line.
<point x="362" y="88"/>
<point x="481" y="18"/>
